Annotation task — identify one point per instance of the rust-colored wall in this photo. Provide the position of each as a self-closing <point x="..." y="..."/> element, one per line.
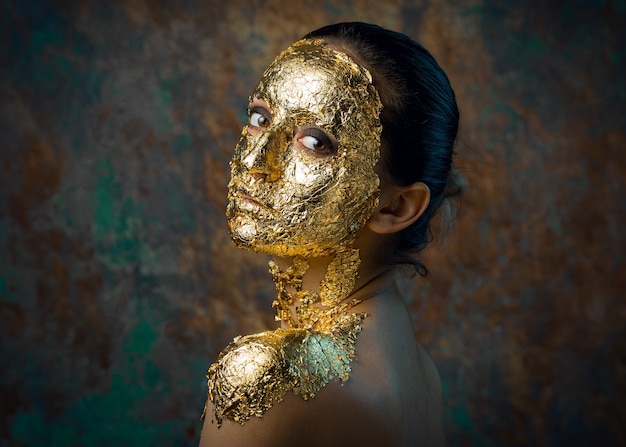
<point x="119" y="285"/>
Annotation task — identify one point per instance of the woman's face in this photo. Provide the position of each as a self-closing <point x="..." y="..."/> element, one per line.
<point x="302" y="175"/>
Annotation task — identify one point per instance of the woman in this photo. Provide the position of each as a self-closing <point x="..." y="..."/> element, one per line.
<point x="346" y="157"/>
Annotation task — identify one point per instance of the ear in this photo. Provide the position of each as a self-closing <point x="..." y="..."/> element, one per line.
<point x="399" y="207"/>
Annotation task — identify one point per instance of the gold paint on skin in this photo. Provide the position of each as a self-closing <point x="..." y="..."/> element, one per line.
<point x="289" y="201"/>
<point x="286" y="200"/>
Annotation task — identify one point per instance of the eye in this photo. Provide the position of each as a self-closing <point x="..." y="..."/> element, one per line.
<point x="259" y="118"/>
<point x="316" y="141"/>
<point x="312" y="143"/>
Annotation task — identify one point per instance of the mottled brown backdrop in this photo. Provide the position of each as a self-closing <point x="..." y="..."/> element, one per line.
<point x="118" y="282"/>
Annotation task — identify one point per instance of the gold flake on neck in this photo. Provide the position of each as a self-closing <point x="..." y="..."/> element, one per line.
<point x="256" y="371"/>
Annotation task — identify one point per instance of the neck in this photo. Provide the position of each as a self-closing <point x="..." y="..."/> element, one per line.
<point x="328" y="282"/>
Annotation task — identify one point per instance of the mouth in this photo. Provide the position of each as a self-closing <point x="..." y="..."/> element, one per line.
<point x="249" y="199"/>
<point x="246" y="202"/>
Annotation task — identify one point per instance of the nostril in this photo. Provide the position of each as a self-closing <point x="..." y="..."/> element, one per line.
<point x="272" y="176"/>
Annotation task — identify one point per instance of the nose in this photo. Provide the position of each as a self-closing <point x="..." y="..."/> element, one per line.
<point x="262" y="155"/>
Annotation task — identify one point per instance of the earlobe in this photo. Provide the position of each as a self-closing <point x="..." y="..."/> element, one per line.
<point x="400" y="207"/>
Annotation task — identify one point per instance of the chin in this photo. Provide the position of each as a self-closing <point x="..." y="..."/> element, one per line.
<point x="245" y="234"/>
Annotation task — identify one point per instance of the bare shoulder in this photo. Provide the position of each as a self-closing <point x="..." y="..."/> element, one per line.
<point x="409" y="383"/>
<point x="392" y="397"/>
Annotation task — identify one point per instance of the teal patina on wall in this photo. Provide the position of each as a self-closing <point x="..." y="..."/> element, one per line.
<point x="118" y="282"/>
<point x="111" y="417"/>
<point x="117" y="232"/>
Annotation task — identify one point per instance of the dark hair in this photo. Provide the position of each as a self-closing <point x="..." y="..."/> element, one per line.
<point x="420" y="118"/>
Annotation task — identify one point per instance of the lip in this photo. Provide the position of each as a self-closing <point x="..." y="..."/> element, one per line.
<point x="249" y="202"/>
<point x="248" y="198"/>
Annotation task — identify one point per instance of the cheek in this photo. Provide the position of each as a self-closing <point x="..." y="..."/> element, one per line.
<point x="362" y="155"/>
<point x="310" y="177"/>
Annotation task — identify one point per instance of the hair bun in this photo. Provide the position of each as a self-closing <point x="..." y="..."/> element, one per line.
<point x="455" y="184"/>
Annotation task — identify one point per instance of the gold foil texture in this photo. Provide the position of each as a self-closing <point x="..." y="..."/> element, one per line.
<point x="285" y="200"/>
<point x="288" y="200"/>
<point x="256" y="371"/>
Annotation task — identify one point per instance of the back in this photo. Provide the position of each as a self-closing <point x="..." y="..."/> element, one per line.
<point x="392" y="366"/>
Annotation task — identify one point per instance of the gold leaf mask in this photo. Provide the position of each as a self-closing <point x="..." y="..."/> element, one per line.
<point x="302" y="175"/>
<point x="302" y="184"/>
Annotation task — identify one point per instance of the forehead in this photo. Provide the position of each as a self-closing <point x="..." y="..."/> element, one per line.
<point x="309" y="77"/>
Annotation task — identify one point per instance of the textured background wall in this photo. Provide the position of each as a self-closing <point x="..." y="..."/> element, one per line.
<point x="119" y="285"/>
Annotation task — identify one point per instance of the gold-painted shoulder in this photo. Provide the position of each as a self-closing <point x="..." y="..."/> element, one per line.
<point x="256" y="371"/>
<point x="248" y="377"/>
